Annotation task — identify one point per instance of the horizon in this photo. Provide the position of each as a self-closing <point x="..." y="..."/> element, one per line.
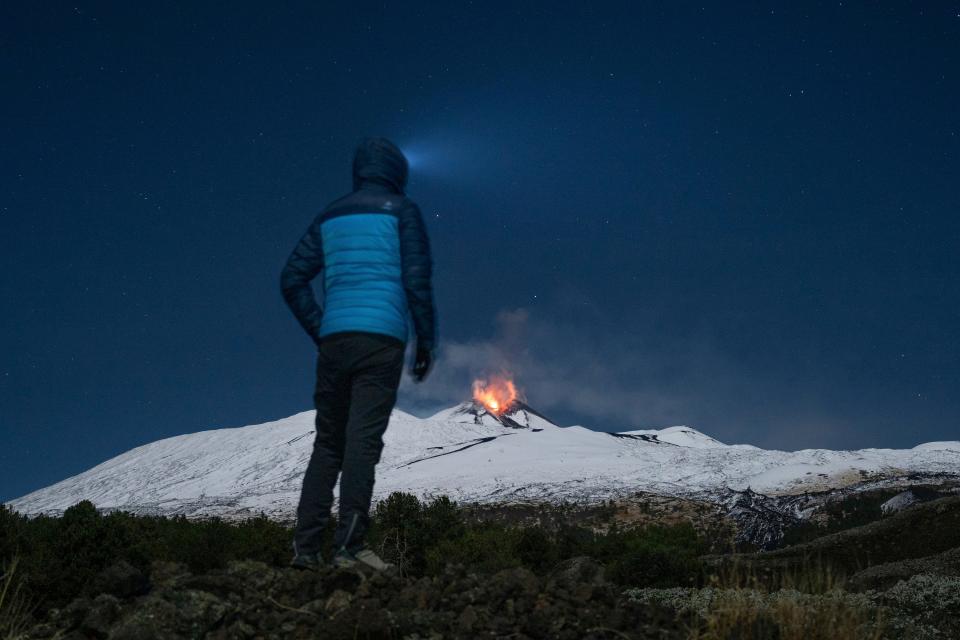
<point x="432" y="414"/>
<point x="734" y="217"/>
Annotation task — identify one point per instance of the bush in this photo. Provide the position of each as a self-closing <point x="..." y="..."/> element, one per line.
<point x="486" y="548"/>
<point x="404" y="529"/>
<point x="535" y="549"/>
<point x="59" y="557"/>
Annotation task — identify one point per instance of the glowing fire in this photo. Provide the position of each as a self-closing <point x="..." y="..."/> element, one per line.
<point x="495" y="394"/>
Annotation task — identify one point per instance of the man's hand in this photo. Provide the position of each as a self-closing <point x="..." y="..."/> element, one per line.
<point x="422" y="364"/>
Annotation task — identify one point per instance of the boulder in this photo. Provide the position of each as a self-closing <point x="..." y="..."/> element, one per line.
<point x="120" y="579"/>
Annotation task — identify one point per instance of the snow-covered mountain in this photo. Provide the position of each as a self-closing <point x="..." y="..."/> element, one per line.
<point x="472" y="455"/>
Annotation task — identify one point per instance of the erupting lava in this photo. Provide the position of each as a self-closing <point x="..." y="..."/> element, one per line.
<point x="495" y="394"/>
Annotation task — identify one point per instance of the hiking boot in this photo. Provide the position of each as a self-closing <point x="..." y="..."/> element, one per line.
<point x="307" y="561"/>
<point x="362" y="558"/>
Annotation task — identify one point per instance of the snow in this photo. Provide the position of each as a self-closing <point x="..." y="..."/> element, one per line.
<point x="471" y="456"/>
<point x="899" y="502"/>
<point x="680" y="436"/>
<point x="938" y="446"/>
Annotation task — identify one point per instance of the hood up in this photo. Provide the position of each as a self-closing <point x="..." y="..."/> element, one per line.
<point x="381" y="162"/>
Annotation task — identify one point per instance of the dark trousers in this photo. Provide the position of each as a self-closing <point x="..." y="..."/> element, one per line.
<point x="357" y="379"/>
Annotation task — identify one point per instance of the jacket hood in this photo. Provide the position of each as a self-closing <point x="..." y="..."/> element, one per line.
<point x="379" y="161"/>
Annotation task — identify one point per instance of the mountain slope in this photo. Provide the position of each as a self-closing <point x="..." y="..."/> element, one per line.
<point x="474" y="456"/>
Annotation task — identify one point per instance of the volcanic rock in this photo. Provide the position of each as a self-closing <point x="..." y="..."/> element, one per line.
<point x="120" y="579"/>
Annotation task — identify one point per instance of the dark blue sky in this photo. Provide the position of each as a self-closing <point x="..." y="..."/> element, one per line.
<point x="741" y="218"/>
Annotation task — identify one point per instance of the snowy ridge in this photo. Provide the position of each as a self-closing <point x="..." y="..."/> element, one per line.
<point x="472" y="455"/>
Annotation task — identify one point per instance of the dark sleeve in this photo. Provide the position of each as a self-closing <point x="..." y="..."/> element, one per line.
<point x="302" y="266"/>
<point x="417" y="274"/>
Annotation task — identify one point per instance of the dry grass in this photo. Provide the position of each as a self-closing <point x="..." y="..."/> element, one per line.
<point x="744" y="603"/>
<point x="810" y="576"/>
<point x="744" y="614"/>
<point x="15" y="610"/>
<point x="395" y="548"/>
<point x="806" y="603"/>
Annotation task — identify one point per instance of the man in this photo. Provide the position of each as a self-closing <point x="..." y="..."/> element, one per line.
<point x="373" y="251"/>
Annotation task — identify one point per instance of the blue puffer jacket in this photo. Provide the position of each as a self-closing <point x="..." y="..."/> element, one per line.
<point x="372" y="248"/>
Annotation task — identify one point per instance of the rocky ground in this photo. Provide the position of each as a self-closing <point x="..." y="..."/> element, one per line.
<point x="252" y="600"/>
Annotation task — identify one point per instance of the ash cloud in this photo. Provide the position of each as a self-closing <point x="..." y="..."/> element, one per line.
<point x="614" y="382"/>
<point x="640" y="377"/>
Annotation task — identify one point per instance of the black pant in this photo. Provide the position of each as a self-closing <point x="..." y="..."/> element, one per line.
<point x="357" y="379"/>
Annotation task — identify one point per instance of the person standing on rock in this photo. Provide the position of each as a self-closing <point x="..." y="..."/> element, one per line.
<point x="372" y="248"/>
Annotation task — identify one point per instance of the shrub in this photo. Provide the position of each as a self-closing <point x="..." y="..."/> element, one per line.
<point x="535" y="549"/>
<point x="404" y="529"/>
<point x="660" y="556"/>
<point x="63" y="555"/>
<point x="486" y="547"/>
<point x="652" y="567"/>
<point x="926" y="596"/>
<point x="59" y="557"/>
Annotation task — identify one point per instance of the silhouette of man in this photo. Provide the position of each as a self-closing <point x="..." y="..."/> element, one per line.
<point x="372" y="248"/>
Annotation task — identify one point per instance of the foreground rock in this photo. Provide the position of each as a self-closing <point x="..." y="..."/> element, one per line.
<point x="252" y="600"/>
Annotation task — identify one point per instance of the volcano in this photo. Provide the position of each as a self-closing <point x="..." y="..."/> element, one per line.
<point x="519" y="415"/>
<point x="474" y="455"/>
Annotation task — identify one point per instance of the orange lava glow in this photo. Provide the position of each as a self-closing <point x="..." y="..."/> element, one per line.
<point x="496" y="394"/>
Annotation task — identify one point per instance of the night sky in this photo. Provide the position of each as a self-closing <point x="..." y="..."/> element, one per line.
<point x="740" y="218"/>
